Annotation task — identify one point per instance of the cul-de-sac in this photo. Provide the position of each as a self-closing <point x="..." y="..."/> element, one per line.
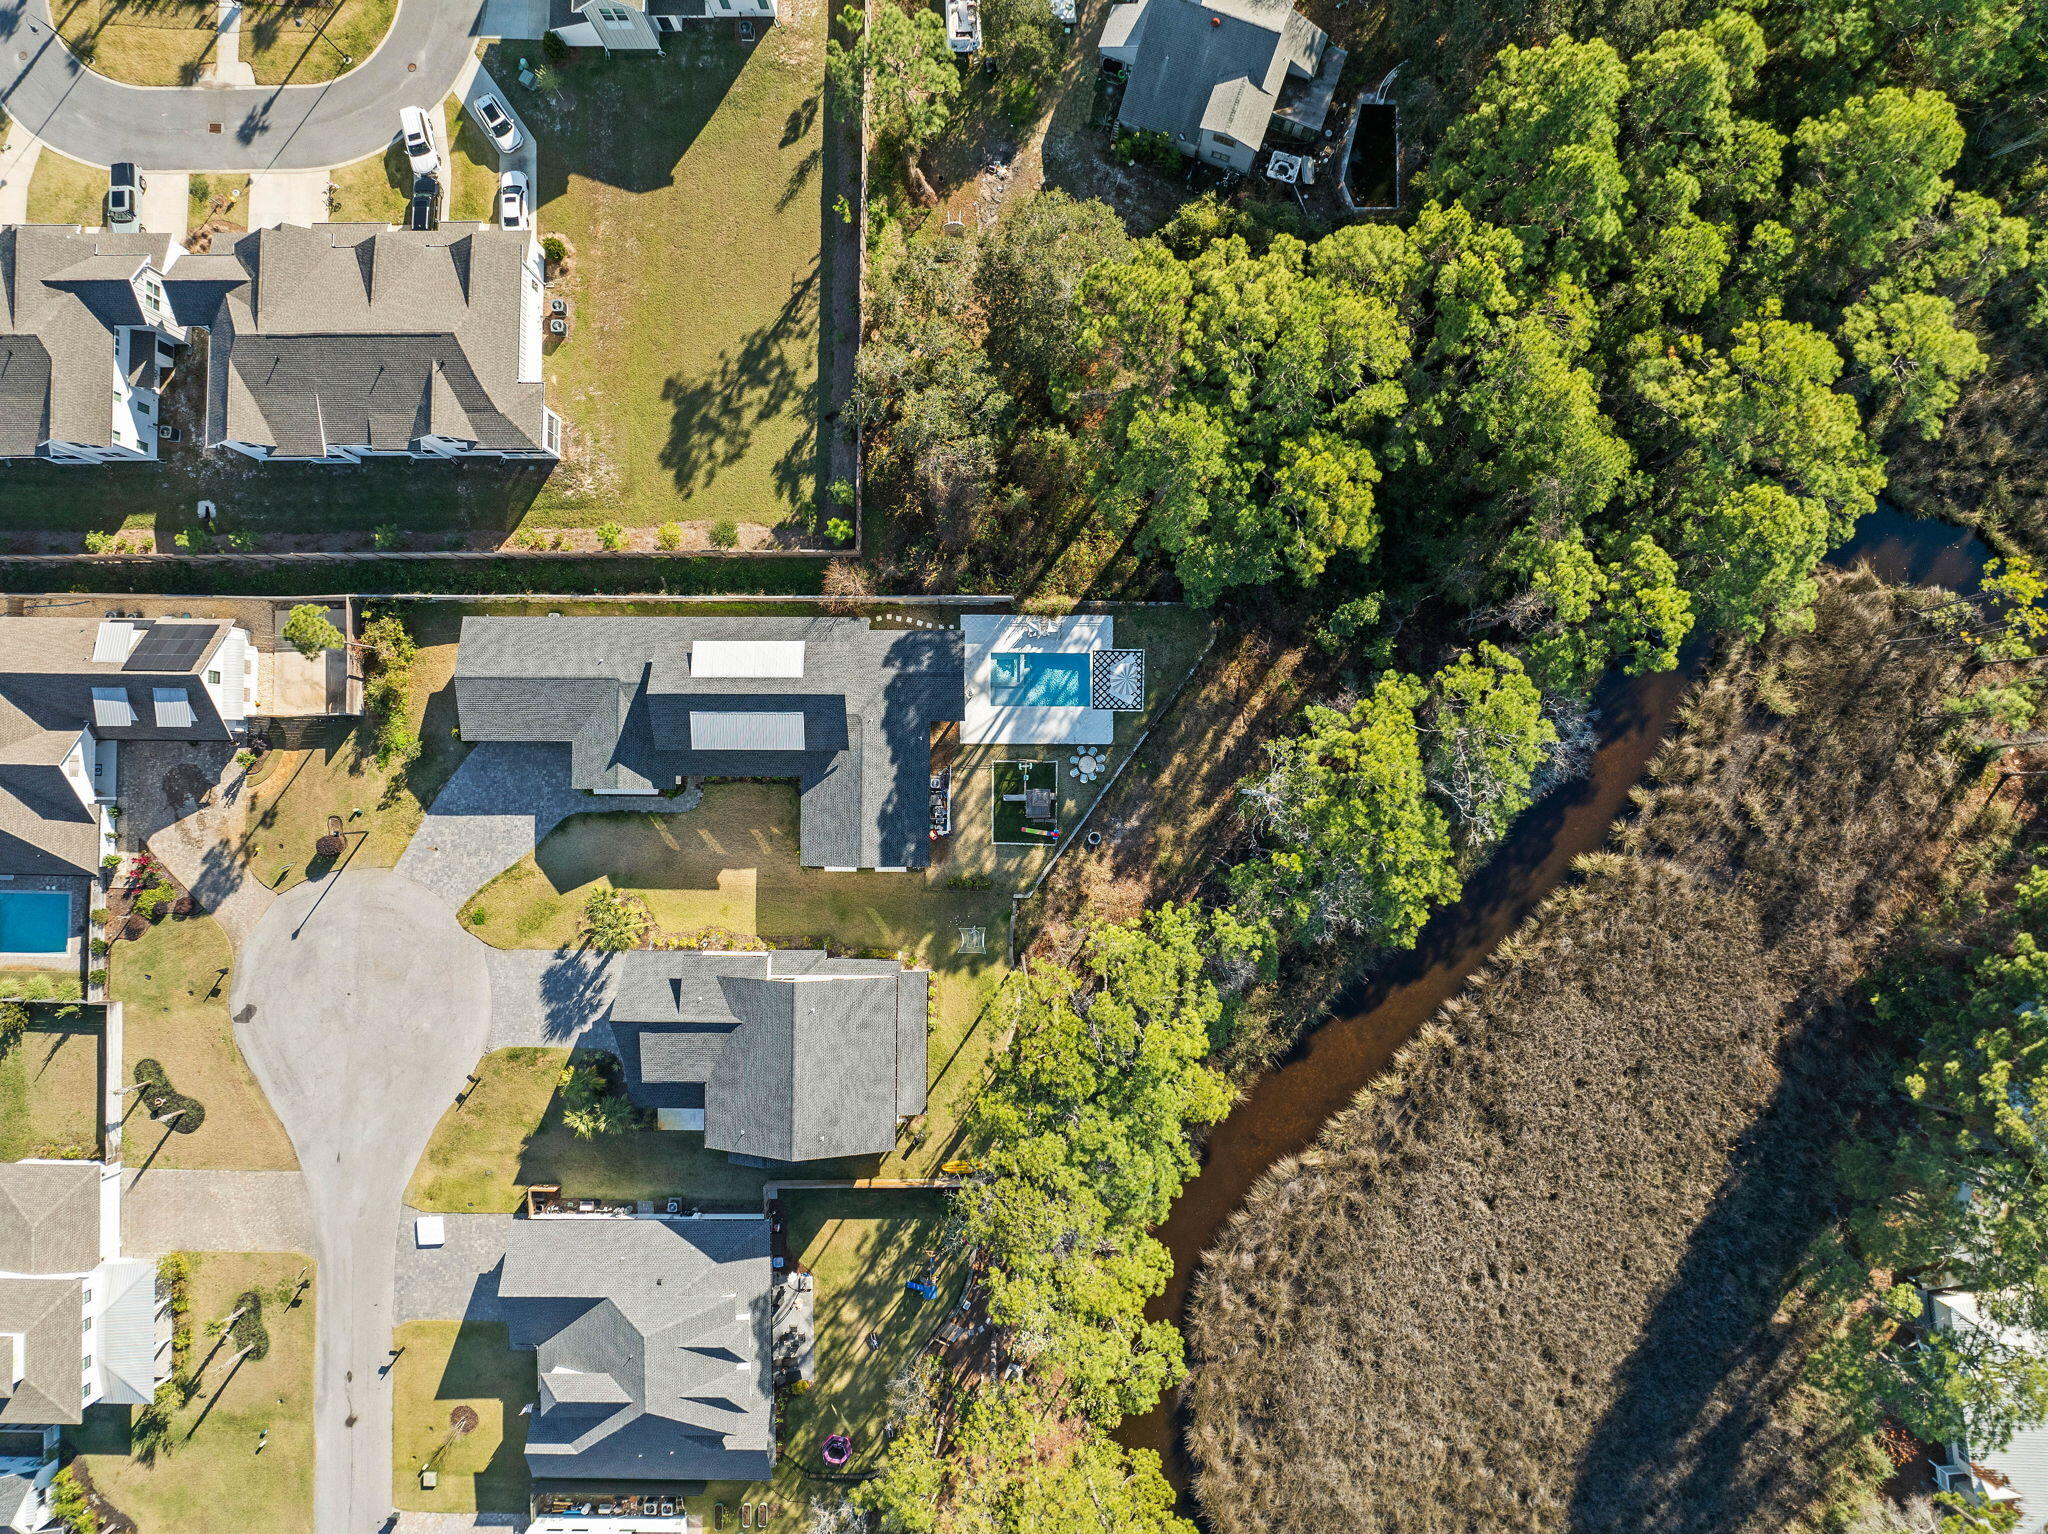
<point x="1023" y="766"/>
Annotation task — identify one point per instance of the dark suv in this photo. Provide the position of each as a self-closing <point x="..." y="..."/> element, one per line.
<point x="426" y="203"/>
<point x="124" y="193"/>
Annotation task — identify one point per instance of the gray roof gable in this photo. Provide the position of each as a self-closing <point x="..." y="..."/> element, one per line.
<point x="794" y="1055"/>
<point x="49" y="1315"/>
<point x="49" y="1216"/>
<point x="1213" y="66"/>
<point x="869" y="699"/>
<point x="651" y="1345"/>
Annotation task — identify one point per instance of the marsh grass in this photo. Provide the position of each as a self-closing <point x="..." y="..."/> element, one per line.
<point x="1537" y="1277"/>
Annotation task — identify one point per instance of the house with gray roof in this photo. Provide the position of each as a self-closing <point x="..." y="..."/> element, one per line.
<point x="651" y="1343"/>
<point x="642" y="705"/>
<point x="636" y="26"/>
<point x="79" y="1324"/>
<point x="1214" y="75"/>
<point x="783" y="1055"/>
<point x="328" y="344"/>
<point x="71" y="690"/>
<point x="88" y="335"/>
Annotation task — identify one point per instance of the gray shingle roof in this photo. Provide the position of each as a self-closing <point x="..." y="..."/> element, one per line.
<point x="794" y="1055"/>
<point x="49" y="1216"/>
<point x="651" y="1343"/>
<point x="49" y="1315"/>
<point x="47" y="674"/>
<point x="62" y="292"/>
<point x="362" y="335"/>
<point x="1210" y="66"/>
<point x="619" y="692"/>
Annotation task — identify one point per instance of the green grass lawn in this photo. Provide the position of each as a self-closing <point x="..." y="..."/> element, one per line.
<point x="212" y="1477"/>
<point x="300" y="43"/>
<point x="444" y="1365"/>
<point x="862" y="1248"/>
<point x="1012" y="780"/>
<point x="140" y="42"/>
<point x="50" y="1086"/>
<point x="508" y="1136"/>
<point x="63" y="191"/>
<point x="688" y="395"/>
<point x="172" y="984"/>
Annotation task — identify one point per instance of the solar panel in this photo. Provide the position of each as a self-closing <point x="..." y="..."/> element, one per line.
<point x="172" y="646"/>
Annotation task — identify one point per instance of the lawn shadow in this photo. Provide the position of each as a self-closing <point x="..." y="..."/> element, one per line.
<point x="715" y="414"/>
<point x="481" y="1366"/>
<point x="598" y="844"/>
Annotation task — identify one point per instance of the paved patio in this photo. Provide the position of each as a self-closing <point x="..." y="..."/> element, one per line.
<point x="499" y="805"/>
<point x="166" y="1209"/>
<point x="556" y="998"/>
<point x="455" y="1282"/>
<point x="182" y="800"/>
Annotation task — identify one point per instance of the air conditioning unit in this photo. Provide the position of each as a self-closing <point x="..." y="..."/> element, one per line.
<point x="558" y="326"/>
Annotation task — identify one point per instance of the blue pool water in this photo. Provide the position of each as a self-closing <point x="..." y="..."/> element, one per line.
<point x="34" y="921"/>
<point x="1031" y="679"/>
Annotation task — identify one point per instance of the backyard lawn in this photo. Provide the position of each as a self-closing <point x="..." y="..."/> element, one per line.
<point x="862" y="1248"/>
<point x="1014" y="782"/>
<point x="691" y="189"/>
<point x="172" y="984"/>
<point x="212" y="1476"/>
<point x="508" y="1135"/>
<point x="63" y="191"/>
<point x="443" y="1366"/>
<point x="50" y="1086"/>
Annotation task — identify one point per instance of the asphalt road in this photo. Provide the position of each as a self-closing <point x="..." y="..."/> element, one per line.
<point x="361" y="1006"/>
<point x="267" y="127"/>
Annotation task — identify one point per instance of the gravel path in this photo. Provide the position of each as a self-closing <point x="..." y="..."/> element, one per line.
<point x="88" y="117"/>
<point x="361" y="1007"/>
<point x="166" y="1209"/>
<point x="497" y="807"/>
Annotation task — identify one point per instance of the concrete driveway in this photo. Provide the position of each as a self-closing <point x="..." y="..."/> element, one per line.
<point x="287" y="197"/>
<point x="165" y="206"/>
<point x="361" y="1006"/>
<point x="85" y="115"/>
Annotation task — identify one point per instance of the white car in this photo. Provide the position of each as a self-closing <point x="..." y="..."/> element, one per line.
<point x="492" y="117"/>
<point x="515" y="211"/>
<point x="419" y="141"/>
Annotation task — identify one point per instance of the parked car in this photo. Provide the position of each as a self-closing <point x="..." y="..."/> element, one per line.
<point x="419" y="141"/>
<point x="490" y="112"/>
<point x="426" y="203"/>
<point x="124" y="191"/>
<point x="515" y="211"/>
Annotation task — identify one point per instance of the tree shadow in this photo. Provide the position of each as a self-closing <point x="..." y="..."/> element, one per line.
<point x="714" y="415"/>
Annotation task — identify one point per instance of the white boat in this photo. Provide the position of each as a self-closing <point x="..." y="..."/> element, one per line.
<point x="963" y="25"/>
<point x="1066" y="12"/>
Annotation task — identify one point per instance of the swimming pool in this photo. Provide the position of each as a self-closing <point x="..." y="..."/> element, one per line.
<point x="1039" y="679"/>
<point x="34" y="921"/>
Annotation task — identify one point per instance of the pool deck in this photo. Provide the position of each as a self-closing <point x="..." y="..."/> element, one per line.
<point x="990" y="722"/>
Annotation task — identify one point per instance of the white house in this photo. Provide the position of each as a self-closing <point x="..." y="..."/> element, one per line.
<point x="2016" y="1474"/>
<point x="635" y="26"/>
<point x="79" y="1323"/>
<point x="88" y="336"/>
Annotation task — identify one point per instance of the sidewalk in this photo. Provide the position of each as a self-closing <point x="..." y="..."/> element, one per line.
<point x="19" y="151"/>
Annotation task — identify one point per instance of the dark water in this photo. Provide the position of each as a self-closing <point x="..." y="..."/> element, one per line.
<point x="1285" y="1109"/>
<point x="1375" y="156"/>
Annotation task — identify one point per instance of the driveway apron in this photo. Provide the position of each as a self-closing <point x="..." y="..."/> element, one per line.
<point x="361" y="1006"/>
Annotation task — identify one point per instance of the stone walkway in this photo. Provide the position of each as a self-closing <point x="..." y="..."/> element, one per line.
<point x="183" y="800"/>
<point x="499" y="805"/>
<point x="165" y="1209"/>
<point x="458" y="1281"/>
<point x="556" y="999"/>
